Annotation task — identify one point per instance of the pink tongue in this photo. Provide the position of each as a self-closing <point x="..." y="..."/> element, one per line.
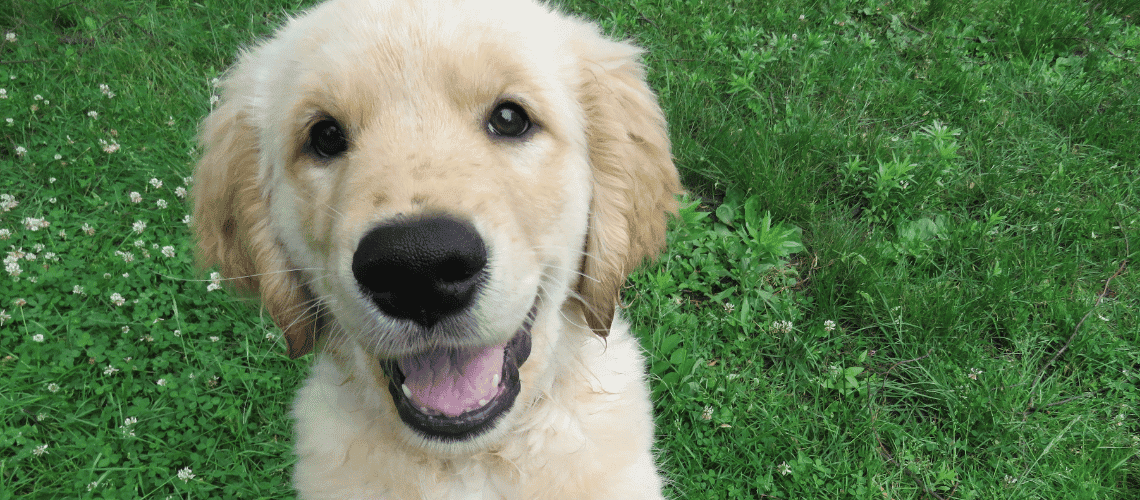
<point x="453" y="382"/>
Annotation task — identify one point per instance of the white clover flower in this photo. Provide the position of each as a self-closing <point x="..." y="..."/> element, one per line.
<point x="53" y="387"/>
<point x="93" y="114"/>
<point x="212" y="286"/>
<point x="168" y="251"/>
<point x="161" y="382"/>
<point x="35" y="224"/>
<point x="138" y="227"/>
<point x="106" y="90"/>
<point x="88" y="230"/>
<point x="126" y="329"/>
<point x="10" y="37"/>
<point x="126" y="256"/>
<point x="39" y="337"/>
<point x="5" y="233"/>
<point x="13" y="269"/>
<point x="154" y="182"/>
<point x="185" y="474"/>
<point x="110" y="370"/>
<point x="117" y="299"/>
<point x="4" y="316"/>
<point x="707" y="413"/>
<point x="161" y="203"/>
<point x="178" y="333"/>
<point x="8" y="202"/>
<point x="784" y="469"/>
<point x="180" y="192"/>
<point x="109" y="147"/>
<point x="829" y="326"/>
<point x="974" y="372"/>
<point x="40" y="450"/>
<point x="38" y="97"/>
<point x="214" y="338"/>
<point x="3" y="93"/>
<point x="186" y="219"/>
<point x="187" y="180"/>
<point x="780" y="326"/>
<point x="127" y="429"/>
<point x="21" y="151"/>
<point x="78" y="290"/>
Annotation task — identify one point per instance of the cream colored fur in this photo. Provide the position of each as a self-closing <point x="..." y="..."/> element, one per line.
<point x="566" y="212"/>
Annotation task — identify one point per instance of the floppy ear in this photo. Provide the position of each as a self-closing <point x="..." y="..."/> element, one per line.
<point x="634" y="180"/>
<point x="231" y="222"/>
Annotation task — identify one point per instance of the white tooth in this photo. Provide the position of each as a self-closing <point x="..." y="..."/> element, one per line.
<point x="495" y="380"/>
<point x="407" y="392"/>
<point x="482" y="403"/>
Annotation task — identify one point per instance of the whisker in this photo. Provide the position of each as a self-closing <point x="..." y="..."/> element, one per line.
<point x="235" y="278"/>
<point x="577" y="251"/>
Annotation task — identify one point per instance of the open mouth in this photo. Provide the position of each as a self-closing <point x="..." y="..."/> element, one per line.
<point x="454" y="394"/>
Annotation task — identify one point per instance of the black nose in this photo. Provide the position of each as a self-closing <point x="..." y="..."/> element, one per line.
<point x="421" y="268"/>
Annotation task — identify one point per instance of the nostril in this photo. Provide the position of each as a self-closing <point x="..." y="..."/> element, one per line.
<point x="421" y="268"/>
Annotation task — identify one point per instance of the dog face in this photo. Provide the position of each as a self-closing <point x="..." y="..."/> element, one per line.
<point x="434" y="184"/>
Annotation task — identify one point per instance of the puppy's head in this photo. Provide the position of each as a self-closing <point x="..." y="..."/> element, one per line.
<point x="429" y="183"/>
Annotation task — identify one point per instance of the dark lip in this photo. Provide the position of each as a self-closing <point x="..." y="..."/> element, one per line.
<point x="475" y="422"/>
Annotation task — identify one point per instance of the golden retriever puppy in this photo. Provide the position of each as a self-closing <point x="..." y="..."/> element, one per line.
<point x="442" y="199"/>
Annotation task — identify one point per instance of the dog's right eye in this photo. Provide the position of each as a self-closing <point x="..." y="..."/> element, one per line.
<point x="508" y="119"/>
<point x="326" y="139"/>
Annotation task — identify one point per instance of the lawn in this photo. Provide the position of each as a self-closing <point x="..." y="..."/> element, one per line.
<point x="904" y="269"/>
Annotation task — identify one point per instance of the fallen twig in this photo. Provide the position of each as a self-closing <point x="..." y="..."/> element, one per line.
<point x="1099" y="298"/>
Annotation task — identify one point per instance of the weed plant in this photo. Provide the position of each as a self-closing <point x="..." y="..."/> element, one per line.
<point x="904" y="268"/>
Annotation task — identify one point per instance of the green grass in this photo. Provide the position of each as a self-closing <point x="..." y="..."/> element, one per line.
<point x="954" y="185"/>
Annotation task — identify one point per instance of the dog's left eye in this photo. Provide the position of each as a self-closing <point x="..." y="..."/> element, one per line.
<point x="508" y="119"/>
<point x="326" y="138"/>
